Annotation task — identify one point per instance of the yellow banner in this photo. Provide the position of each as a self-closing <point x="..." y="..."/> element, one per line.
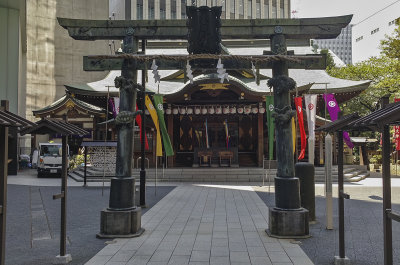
<point x="154" y="117"/>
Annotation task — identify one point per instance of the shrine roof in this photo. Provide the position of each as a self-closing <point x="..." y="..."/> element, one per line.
<point x="303" y="78"/>
<point x="64" y="101"/>
<point x="9" y="119"/>
<point x="54" y="126"/>
<point x="375" y="121"/>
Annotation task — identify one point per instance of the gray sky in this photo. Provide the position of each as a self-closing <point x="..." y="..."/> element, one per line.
<point x="326" y="8"/>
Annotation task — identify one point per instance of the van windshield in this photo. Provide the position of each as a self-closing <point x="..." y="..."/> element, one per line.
<point x="50" y="150"/>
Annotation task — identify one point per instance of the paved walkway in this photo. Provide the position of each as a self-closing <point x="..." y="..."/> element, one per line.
<point x="204" y="224"/>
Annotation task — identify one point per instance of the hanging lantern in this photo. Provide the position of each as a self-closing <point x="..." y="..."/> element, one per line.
<point x="168" y="110"/>
<point x="218" y="110"/>
<point x="175" y="111"/>
<point x="189" y="111"/>
<point x="225" y="110"/>
<point x="240" y="110"/>
<point x="254" y="110"/>
<point x="197" y="110"/>
<point x="182" y="111"/>
<point x="261" y="108"/>
<point x="204" y="111"/>
<point x="247" y="109"/>
<point x="232" y="110"/>
<point x="211" y="110"/>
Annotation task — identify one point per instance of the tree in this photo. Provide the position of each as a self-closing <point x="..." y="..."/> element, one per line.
<point x="330" y="63"/>
<point x="329" y="59"/>
<point x="390" y="46"/>
<point x="314" y="47"/>
<point x="383" y="71"/>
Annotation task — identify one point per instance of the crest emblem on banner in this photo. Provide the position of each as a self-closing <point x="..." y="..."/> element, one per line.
<point x="331" y="103"/>
<point x="271" y="107"/>
<point x="160" y="106"/>
<point x="310" y="106"/>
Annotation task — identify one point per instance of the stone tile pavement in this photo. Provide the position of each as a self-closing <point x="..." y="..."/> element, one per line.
<point x="204" y="224"/>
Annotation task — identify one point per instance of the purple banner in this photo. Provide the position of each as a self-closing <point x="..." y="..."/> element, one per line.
<point x="112" y="106"/>
<point x="333" y="109"/>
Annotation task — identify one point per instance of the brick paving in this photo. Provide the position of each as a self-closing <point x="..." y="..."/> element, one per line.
<point x="204" y="224"/>
<point x="193" y="224"/>
<point x="33" y="222"/>
<point x="363" y="224"/>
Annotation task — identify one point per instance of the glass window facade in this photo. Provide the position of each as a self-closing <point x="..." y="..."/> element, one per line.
<point x="242" y="9"/>
<point x="139" y="9"/>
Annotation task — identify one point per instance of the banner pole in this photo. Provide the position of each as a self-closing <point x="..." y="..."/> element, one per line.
<point x="155" y="183"/>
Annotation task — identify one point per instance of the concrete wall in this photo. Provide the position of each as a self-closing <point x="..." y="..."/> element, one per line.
<point x="365" y="38"/>
<point x="9" y="56"/>
<point x="53" y="59"/>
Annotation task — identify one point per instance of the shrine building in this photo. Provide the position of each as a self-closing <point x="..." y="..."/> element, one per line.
<point x="201" y="115"/>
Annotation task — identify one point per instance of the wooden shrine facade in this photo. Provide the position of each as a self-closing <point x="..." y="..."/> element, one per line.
<point x="223" y="123"/>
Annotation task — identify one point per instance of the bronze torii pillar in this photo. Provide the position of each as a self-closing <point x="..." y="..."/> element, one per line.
<point x="287" y="218"/>
<point x="122" y="217"/>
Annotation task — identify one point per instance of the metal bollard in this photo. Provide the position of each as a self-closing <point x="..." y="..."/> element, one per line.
<point x="305" y="172"/>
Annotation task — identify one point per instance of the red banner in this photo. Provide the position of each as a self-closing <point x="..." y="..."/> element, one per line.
<point x="139" y="122"/>
<point x="396" y="137"/>
<point x="299" y="109"/>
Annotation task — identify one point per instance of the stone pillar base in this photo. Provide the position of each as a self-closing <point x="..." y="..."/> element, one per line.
<point x="288" y="223"/>
<point x="62" y="259"/>
<point x="124" y="224"/>
<point x="342" y="261"/>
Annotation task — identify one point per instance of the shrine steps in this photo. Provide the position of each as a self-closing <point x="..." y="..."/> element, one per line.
<point x="226" y="174"/>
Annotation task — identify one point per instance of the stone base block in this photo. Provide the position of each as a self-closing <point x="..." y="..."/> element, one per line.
<point x="62" y="259"/>
<point x="120" y="223"/>
<point x="288" y="223"/>
<point x="342" y="261"/>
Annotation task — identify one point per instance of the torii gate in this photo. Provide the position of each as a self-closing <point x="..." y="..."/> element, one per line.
<point x="287" y="219"/>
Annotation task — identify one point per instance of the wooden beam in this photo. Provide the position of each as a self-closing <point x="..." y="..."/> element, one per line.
<point x="114" y="62"/>
<point x="176" y="29"/>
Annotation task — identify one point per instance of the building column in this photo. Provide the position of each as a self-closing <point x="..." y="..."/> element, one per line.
<point x="262" y="9"/>
<point x="237" y="9"/>
<point x="287" y="8"/>
<point x="270" y="9"/>
<point x="278" y="8"/>
<point x="260" y="151"/>
<point x="168" y="9"/>
<point x="227" y="9"/>
<point x="254" y="9"/>
<point x="245" y="9"/>
<point x="178" y="9"/>
<point x="134" y="9"/>
<point x="156" y="9"/>
<point x="145" y="9"/>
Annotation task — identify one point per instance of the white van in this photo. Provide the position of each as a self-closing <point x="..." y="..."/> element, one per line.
<point x="50" y="159"/>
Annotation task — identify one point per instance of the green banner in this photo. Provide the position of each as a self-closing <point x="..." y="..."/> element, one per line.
<point x="271" y="125"/>
<point x="158" y="103"/>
